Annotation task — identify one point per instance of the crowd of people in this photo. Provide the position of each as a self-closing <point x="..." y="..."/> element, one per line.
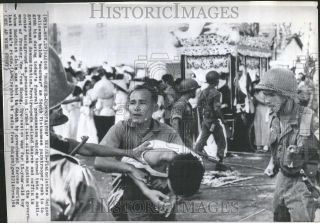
<point x="99" y="100"/>
<point x="147" y="131"/>
<point x="153" y="162"/>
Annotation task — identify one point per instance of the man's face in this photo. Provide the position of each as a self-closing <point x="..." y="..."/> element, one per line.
<point x="193" y="93"/>
<point x="141" y="106"/>
<point x="273" y="100"/>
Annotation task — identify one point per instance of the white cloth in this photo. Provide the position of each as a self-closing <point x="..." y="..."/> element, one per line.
<point x="154" y="144"/>
<point x="103" y="92"/>
<point x="211" y="148"/>
<point x="86" y="126"/>
<point x="159" y="114"/>
<point x="73" y="115"/>
<point x="80" y="84"/>
<point x="243" y="84"/>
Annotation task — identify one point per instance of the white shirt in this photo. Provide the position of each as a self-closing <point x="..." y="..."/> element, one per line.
<point x="179" y="149"/>
<point x="103" y="93"/>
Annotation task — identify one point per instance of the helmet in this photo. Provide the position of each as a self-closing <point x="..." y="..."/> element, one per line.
<point x="59" y="87"/>
<point x="279" y="80"/>
<point x="212" y="77"/>
<point x="187" y="85"/>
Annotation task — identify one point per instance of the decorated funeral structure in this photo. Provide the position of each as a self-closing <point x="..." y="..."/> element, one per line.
<point x="241" y="60"/>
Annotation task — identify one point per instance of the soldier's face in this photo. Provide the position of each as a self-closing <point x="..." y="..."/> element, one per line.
<point x="274" y="101"/>
<point x="141" y="106"/>
<point x="193" y="93"/>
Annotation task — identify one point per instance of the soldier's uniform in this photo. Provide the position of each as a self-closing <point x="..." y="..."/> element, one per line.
<point x="183" y="111"/>
<point x="74" y="194"/>
<point x="291" y="195"/>
<point x="294" y="146"/>
<point x="210" y="107"/>
<point x="208" y="104"/>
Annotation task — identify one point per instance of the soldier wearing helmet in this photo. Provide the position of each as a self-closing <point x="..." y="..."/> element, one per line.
<point x="294" y="147"/>
<point x="74" y="193"/>
<point x="182" y="116"/>
<point x="209" y="105"/>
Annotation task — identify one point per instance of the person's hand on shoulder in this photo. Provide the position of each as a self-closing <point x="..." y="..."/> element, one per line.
<point x="137" y="152"/>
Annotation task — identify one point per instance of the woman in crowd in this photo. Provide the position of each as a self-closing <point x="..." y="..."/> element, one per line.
<point x="73" y="104"/>
<point x="102" y="93"/>
<point x="86" y="125"/>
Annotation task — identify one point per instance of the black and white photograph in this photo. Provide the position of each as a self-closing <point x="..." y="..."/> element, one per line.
<point x="163" y="112"/>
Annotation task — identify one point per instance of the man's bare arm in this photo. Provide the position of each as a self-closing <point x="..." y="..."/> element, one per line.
<point x="139" y="177"/>
<point x="176" y="125"/>
<point x="155" y="196"/>
<point x="92" y="149"/>
<point x="158" y="156"/>
<point x="111" y="165"/>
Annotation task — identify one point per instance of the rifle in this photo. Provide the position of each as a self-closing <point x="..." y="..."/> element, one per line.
<point x="75" y="150"/>
<point x="315" y="191"/>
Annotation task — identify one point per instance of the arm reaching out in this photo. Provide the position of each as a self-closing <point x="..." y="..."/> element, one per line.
<point x="91" y="149"/>
<point x="138" y="176"/>
<point x="111" y="165"/>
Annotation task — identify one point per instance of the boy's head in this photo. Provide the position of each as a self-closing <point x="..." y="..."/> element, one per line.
<point x="185" y="174"/>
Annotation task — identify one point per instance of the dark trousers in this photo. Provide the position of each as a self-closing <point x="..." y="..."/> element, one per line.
<point x="103" y="124"/>
<point x="292" y="200"/>
<point x="217" y="135"/>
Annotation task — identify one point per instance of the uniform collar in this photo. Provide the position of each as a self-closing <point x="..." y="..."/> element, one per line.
<point x="293" y="120"/>
<point x="211" y="86"/>
<point x="182" y="99"/>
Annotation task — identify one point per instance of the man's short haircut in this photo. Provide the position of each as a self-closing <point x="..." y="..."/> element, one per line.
<point x="152" y="89"/>
<point x="185" y="174"/>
